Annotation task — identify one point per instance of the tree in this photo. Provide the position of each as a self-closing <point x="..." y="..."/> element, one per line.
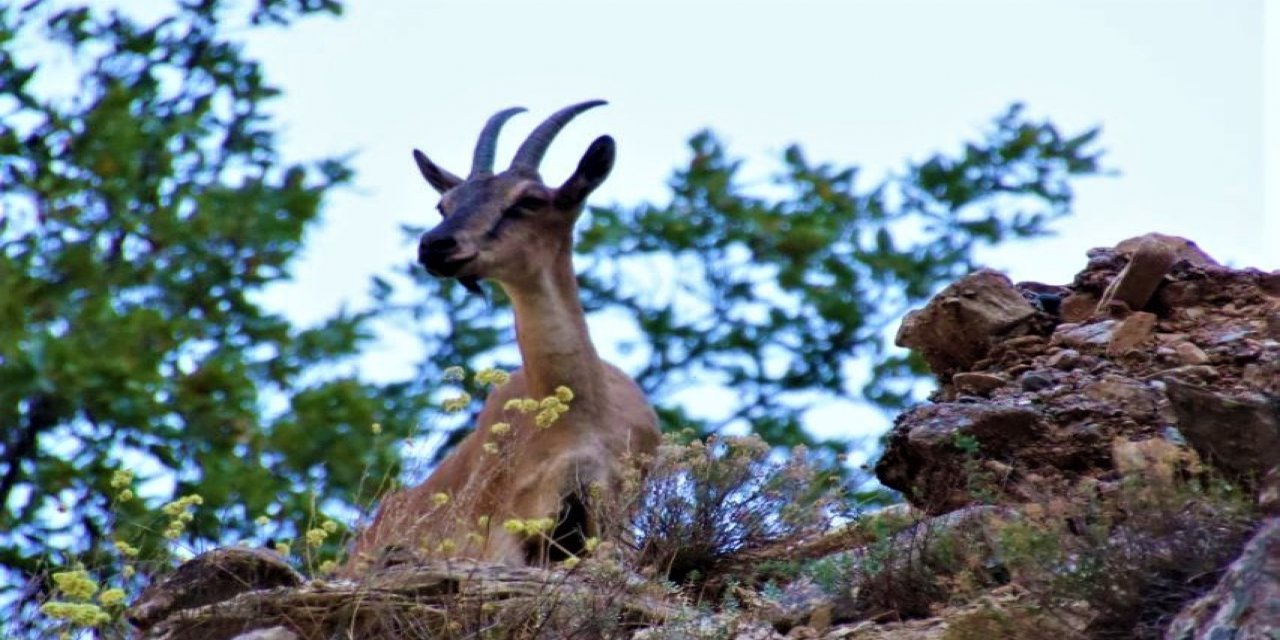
<point x="143" y="216"/>
<point x="778" y="298"/>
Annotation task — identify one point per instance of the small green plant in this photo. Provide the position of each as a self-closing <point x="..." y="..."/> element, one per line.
<point x="966" y="443"/>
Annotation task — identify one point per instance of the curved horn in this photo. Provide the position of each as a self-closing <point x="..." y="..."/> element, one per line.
<point x="482" y="161"/>
<point x="529" y="156"/>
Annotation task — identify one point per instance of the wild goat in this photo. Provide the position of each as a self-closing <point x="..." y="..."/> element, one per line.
<point x="567" y="424"/>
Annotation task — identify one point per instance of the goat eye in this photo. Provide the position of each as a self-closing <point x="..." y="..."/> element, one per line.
<point x="530" y="203"/>
<point x="524" y="206"/>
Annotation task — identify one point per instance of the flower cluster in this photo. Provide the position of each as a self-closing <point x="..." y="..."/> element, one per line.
<point x="457" y="403"/>
<point x="79" y="587"/>
<point x="532" y="526"/>
<point x="492" y="376"/>
<point x="127" y="550"/>
<point x="179" y="512"/>
<point x="121" y="480"/>
<point x="84" y="614"/>
<point x="548" y="410"/>
<point x="76" y="584"/>
<point x="316" y="535"/>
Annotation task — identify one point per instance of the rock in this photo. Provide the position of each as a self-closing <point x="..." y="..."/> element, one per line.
<point x="1135" y="285"/>
<point x="1078" y="307"/>
<point x="1273" y="325"/>
<point x="1238" y="434"/>
<point x="1153" y="459"/>
<point x="1246" y="601"/>
<point x="1269" y="492"/>
<point x="213" y="576"/>
<point x="273" y="633"/>
<point x="960" y="324"/>
<point x="1270" y="283"/>
<point x="1094" y="334"/>
<point x="1191" y="372"/>
<point x="1133" y="331"/>
<point x="1182" y="248"/>
<point x="1123" y="394"/>
<point x="1045" y="297"/>
<point x="1065" y="360"/>
<point x="1189" y="353"/>
<point x="977" y="383"/>
<point x="927" y="449"/>
<point x="1035" y="381"/>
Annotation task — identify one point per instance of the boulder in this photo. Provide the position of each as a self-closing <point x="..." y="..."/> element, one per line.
<point x="1246" y="601"/>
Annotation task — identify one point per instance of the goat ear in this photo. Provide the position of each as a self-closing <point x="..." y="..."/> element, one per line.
<point x="591" y="172"/>
<point x="439" y="179"/>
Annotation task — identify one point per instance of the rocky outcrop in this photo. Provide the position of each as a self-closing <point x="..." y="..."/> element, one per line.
<point x="1246" y="602"/>
<point x="1173" y="346"/>
<point x="1154" y="352"/>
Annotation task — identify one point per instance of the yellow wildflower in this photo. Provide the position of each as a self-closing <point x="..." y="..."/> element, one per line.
<point x="538" y="525"/>
<point x="564" y="394"/>
<point x="490" y="448"/>
<point x="111" y="597"/>
<point x="546" y="417"/>
<point x="263" y="521"/>
<point x="76" y="584"/>
<point x="458" y="403"/>
<point x="121" y="478"/>
<point x="591" y="544"/>
<point x="77" y="613"/>
<point x="376" y="428"/>
<point x="513" y="404"/>
<point x="483" y="521"/>
<point x="454" y="374"/>
<point x="315" y="537"/>
<point x="550" y="402"/>
<point x="282" y="548"/>
<point x="514" y="525"/>
<point x="528" y="405"/>
<point x="494" y="376"/>
<point x="500" y="428"/>
<point x="126" y="549"/>
<point x="570" y="562"/>
<point x="328" y="566"/>
<point x="128" y="571"/>
<point x="329" y="526"/>
<point x="172" y="509"/>
<point x="440" y="499"/>
<point x="125" y="496"/>
<point x="446" y="546"/>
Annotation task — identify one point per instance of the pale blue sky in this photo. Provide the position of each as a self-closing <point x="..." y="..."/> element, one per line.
<point x="1178" y="87"/>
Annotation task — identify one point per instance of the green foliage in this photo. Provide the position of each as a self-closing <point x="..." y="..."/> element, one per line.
<point x="143" y="216"/>
<point x="775" y="295"/>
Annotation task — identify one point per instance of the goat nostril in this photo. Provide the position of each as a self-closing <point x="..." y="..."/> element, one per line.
<point x="439" y="245"/>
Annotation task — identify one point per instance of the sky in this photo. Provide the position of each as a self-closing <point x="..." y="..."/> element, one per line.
<point x="1178" y="86"/>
